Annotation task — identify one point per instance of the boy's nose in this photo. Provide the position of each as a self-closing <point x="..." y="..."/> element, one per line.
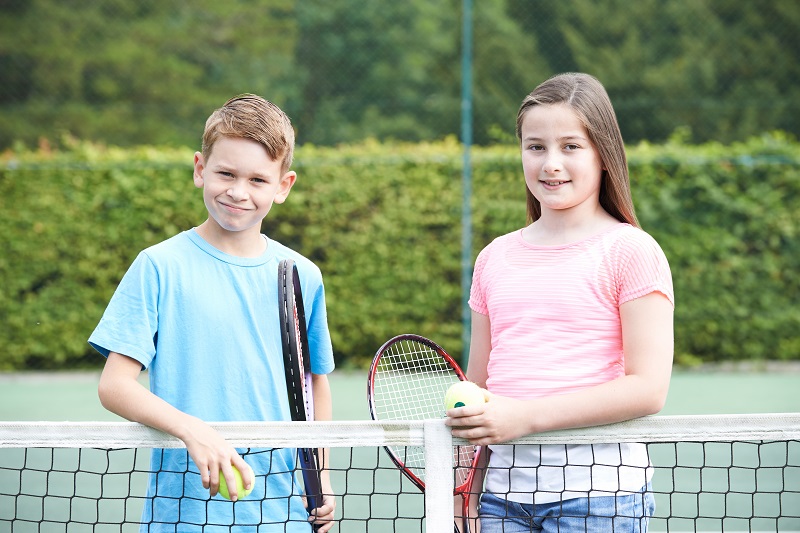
<point x="237" y="192"/>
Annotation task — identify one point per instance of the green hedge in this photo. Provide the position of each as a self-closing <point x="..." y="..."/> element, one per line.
<point x="383" y="222"/>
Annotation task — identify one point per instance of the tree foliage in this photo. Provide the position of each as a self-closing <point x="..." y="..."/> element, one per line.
<point x="147" y="72"/>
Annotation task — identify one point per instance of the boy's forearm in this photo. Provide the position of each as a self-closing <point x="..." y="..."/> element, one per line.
<point x="121" y="393"/>
<point x="323" y="410"/>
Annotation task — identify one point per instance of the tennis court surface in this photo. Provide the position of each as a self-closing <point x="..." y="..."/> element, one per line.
<point x="718" y="472"/>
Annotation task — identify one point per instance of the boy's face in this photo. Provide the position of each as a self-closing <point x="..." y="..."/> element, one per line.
<point x="240" y="183"/>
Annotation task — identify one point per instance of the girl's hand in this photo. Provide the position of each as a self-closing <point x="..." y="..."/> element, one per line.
<point x="500" y="419"/>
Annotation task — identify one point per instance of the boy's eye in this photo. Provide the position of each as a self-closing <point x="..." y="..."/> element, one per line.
<point x="536" y="147"/>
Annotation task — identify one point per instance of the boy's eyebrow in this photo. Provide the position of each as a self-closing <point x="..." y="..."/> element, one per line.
<point x="231" y="167"/>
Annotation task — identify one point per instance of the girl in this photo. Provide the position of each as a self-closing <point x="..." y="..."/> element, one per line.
<point x="571" y="326"/>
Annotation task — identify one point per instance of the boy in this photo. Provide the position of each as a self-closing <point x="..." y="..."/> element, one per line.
<point x="200" y="312"/>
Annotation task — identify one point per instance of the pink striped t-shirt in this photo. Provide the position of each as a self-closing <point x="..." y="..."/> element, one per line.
<point x="554" y="310"/>
<point x="555" y="327"/>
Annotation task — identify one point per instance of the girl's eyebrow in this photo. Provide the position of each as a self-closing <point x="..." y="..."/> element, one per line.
<point x="570" y="137"/>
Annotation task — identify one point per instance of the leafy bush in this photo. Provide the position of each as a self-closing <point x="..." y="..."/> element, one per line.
<point x="383" y="222"/>
<point x="727" y="218"/>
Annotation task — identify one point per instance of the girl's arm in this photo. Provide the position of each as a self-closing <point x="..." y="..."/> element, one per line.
<point x="647" y="337"/>
<point x="121" y="393"/>
<point x="323" y="410"/>
<point x="479" y="348"/>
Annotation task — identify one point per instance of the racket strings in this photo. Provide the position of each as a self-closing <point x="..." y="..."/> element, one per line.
<point x="463" y="457"/>
<point x="410" y="383"/>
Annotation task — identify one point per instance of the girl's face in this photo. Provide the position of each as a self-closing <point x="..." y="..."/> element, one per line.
<point x="562" y="168"/>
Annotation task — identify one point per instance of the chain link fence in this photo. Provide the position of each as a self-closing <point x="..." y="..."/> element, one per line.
<point x="150" y="71"/>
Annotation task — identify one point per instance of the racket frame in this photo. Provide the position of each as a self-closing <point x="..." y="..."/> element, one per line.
<point x="297" y="367"/>
<point x="465" y="488"/>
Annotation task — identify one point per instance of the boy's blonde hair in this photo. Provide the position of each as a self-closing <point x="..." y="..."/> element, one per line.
<point x="249" y="116"/>
<point x="589" y="100"/>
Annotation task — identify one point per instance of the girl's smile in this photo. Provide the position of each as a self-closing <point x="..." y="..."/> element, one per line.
<point x="562" y="167"/>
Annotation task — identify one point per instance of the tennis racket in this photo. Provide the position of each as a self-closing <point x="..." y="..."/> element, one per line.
<point x="297" y="365"/>
<point x="408" y="380"/>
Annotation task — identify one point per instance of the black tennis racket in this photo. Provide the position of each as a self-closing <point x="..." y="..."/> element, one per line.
<point x="408" y="380"/>
<point x="297" y="365"/>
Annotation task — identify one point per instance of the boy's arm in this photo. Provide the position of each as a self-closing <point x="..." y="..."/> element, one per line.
<point x="323" y="410"/>
<point x="121" y="393"/>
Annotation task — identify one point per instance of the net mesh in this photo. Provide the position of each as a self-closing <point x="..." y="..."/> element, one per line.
<point x="716" y="473"/>
<point x="94" y="476"/>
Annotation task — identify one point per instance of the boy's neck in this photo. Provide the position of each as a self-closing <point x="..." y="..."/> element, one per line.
<point x="247" y="243"/>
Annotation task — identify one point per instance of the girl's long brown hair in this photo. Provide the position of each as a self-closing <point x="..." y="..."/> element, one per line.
<point x="588" y="99"/>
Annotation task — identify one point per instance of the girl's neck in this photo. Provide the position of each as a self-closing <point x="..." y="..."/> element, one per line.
<point x="558" y="228"/>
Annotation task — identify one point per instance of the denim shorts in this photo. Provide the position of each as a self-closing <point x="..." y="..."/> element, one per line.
<point x="604" y="513"/>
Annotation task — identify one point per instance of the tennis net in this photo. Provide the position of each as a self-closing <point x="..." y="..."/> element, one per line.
<point x="711" y="473"/>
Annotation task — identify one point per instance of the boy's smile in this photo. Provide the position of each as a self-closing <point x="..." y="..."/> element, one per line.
<point x="240" y="183"/>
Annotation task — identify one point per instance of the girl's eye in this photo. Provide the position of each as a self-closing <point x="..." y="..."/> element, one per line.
<point x="571" y="147"/>
<point x="536" y="147"/>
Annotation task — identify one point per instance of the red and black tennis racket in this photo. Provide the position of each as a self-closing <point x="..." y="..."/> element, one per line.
<point x="408" y="380"/>
<point x="297" y="364"/>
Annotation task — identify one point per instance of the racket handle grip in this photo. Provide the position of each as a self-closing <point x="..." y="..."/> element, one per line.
<point x="313" y="485"/>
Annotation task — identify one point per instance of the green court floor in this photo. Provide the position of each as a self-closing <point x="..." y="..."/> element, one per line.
<point x="73" y="396"/>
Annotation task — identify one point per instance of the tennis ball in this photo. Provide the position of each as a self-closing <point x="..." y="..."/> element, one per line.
<point x="240" y="490"/>
<point x="463" y="393"/>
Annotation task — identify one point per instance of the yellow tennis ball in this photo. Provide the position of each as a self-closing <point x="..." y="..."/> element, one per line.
<point x="240" y="490"/>
<point x="463" y="393"/>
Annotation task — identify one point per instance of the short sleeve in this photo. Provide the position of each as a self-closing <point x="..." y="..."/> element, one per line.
<point x="646" y="270"/>
<point x="477" y="293"/>
<point x="129" y="325"/>
<point x="319" y="337"/>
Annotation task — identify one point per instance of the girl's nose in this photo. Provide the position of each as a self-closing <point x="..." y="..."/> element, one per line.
<point x="552" y="165"/>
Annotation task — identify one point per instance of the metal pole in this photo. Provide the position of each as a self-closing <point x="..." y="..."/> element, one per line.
<point x="466" y="178"/>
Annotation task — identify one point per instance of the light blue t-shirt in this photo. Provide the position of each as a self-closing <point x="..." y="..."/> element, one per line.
<point x="205" y="325"/>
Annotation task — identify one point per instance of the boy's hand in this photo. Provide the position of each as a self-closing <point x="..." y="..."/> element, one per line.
<point x="212" y="454"/>
<point x="322" y="517"/>
<point x="121" y="393"/>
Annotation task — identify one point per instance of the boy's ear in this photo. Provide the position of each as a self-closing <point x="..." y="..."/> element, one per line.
<point x="285" y="186"/>
<point x="199" y="165"/>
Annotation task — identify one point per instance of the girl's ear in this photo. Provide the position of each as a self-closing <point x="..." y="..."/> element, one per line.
<point x="285" y="186"/>
<point x="199" y="165"/>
